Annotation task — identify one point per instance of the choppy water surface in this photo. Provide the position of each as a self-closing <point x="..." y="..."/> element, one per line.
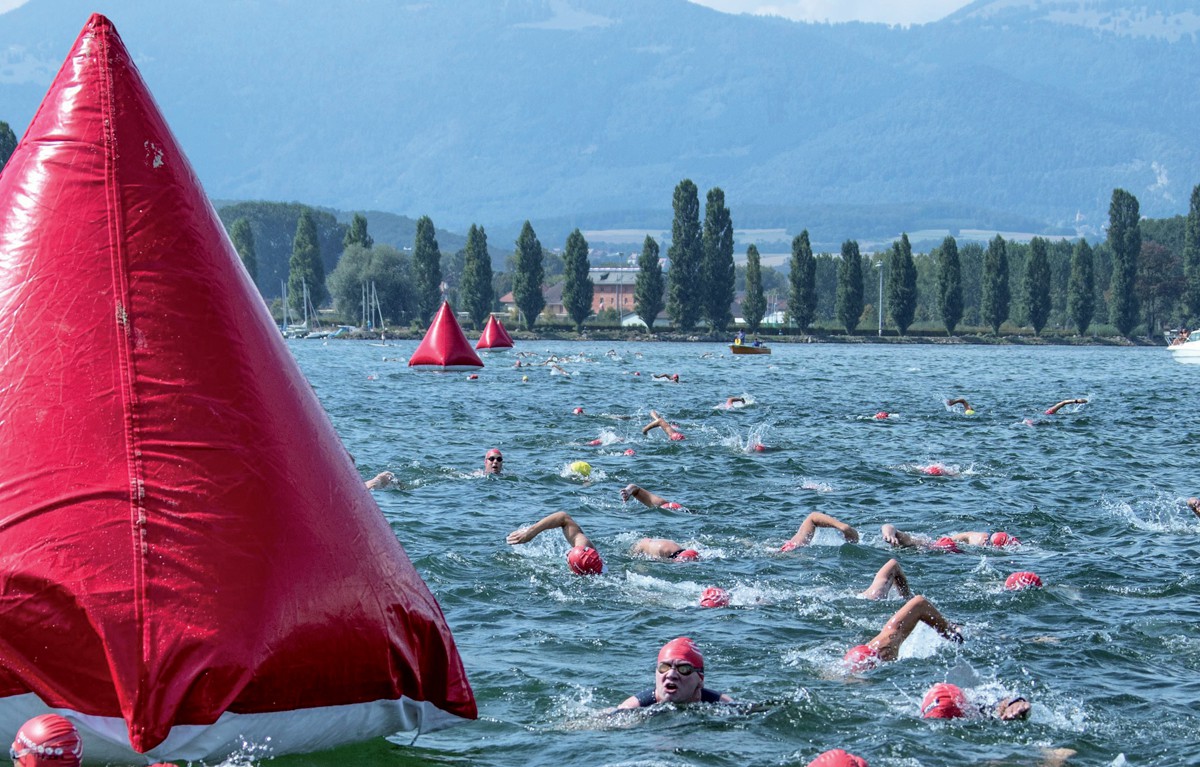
<point x="1108" y="651"/>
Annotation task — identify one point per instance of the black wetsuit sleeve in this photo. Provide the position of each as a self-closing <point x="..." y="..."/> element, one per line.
<point x="645" y="698"/>
<point x="710" y="696"/>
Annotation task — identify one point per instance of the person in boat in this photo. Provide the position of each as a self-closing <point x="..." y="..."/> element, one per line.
<point x="381" y="480"/>
<point x="967" y="409"/>
<point x="658" y="422"/>
<point x="672" y="377"/>
<point x="1060" y="405"/>
<point x="901" y="539"/>
<point x="885" y="646"/>
<point x="678" y="678"/>
<point x="948" y="701"/>
<point x="48" y="740"/>
<point x="582" y="558"/>
<point x="740" y="338"/>
<point x="493" y="462"/>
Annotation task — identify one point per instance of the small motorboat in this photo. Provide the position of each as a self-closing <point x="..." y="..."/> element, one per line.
<point x="1185" y="347"/>
<point x="760" y="348"/>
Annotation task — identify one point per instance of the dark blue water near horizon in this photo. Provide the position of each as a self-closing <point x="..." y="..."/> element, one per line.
<point x="1108" y="651"/>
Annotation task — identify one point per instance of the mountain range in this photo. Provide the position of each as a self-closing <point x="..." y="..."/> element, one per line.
<point x="1008" y="115"/>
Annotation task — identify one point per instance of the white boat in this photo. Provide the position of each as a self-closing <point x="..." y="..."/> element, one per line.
<point x="1185" y="347"/>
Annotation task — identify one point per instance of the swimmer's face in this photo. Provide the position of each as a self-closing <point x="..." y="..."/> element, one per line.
<point x="493" y="464"/>
<point x="672" y="685"/>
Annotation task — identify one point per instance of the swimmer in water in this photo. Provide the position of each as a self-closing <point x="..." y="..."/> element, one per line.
<point x="808" y="529"/>
<point x="658" y="422"/>
<point x="967" y="409"/>
<point x="583" y="559"/>
<point x="948" y="701"/>
<point x="493" y="462"/>
<point x="1060" y="405"/>
<point x="885" y="646"/>
<point x="901" y="539"/>
<point x="731" y="401"/>
<point x="678" y="678"/>
<point x="1194" y="505"/>
<point x="888" y="576"/>
<point x="672" y="377"/>
<point x="46" y="740"/>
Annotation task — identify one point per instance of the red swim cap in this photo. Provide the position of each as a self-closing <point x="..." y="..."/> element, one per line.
<point x="790" y="545"/>
<point x="759" y="447"/>
<point x="630" y="451"/>
<point x="578" y="411"/>
<point x="678" y="436"/>
<point x="687" y="555"/>
<point x="933" y="470"/>
<point x="684" y="649"/>
<point x="881" y="415"/>
<point x="714" y="596"/>
<point x="595" y="442"/>
<point x="48" y="740"/>
<point x="473" y="377"/>
<point x="1022" y="580"/>
<point x="943" y="701"/>
<point x="1003" y="539"/>
<point x="946" y="543"/>
<point x="838" y="758"/>
<point x="585" y="561"/>
<point x="672" y="505"/>
<point x="492" y="452"/>
<point x="861" y="658"/>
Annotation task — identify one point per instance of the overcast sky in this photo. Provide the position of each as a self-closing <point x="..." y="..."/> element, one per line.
<point x="885" y="11"/>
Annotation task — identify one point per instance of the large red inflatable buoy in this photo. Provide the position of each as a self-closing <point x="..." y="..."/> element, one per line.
<point x="444" y="348"/>
<point x="494" y="336"/>
<point x="189" y="561"/>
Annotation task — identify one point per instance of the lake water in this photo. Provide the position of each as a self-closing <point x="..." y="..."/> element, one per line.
<point x="1108" y="651"/>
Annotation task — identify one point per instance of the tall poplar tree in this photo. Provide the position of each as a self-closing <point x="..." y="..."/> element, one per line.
<point x="754" y="305"/>
<point x="684" y="289"/>
<point x="802" y="298"/>
<point x="356" y="234"/>
<point x="577" y="285"/>
<point x="1081" y="287"/>
<point x="1037" y="285"/>
<point x="242" y="238"/>
<point x="8" y="143"/>
<point x="1125" y="242"/>
<point x="996" y="294"/>
<point x="902" y="285"/>
<point x="850" y="287"/>
<point x="427" y="270"/>
<point x="529" y="275"/>
<point x="719" y="273"/>
<point x="305" y="267"/>
<point x="648" y="292"/>
<point x="949" y="285"/>
<point x="1191" y="257"/>
<point x="475" y="288"/>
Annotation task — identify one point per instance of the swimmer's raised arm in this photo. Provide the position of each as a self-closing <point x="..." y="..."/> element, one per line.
<point x="816" y="519"/>
<point x="889" y="575"/>
<point x="917" y="610"/>
<point x="642" y="494"/>
<point x="896" y="537"/>
<point x="559" y="519"/>
<point x="1060" y="405"/>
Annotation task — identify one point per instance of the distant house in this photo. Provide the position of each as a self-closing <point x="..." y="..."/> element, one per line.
<point x="613" y="288"/>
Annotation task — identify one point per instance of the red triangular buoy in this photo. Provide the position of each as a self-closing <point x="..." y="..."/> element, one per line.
<point x="494" y="336"/>
<point x="444" y="347"/>
<point x="189" y="562"/>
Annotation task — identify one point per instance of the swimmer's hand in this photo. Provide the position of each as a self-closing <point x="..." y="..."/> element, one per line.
<point x="1013" y="708"/>
<point x="629" y="491"/>
<point x="381" y="480"/>
<point x="954" y="633"/>
<point x="519" y="536"/>
<point x="890" y="535"/>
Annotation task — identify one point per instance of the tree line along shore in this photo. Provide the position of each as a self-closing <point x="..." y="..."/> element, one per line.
<point x="1142" y="279"/>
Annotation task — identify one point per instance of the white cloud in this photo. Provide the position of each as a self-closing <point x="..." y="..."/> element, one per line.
<point x="8" y="5"/>
<point x="884" y="11"/>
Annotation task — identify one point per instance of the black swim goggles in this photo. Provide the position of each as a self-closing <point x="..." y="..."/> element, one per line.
<point x="684" y="668"/>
